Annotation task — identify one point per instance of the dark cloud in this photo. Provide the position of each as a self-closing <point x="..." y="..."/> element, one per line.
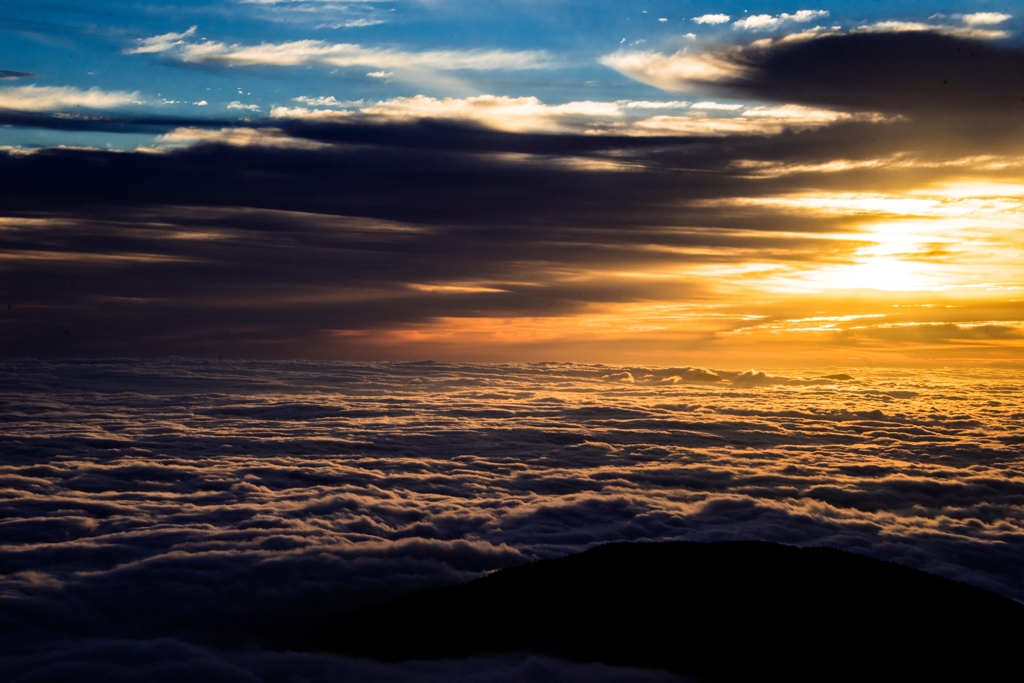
<point x="6" y="75"/>
<point x="123" y="661"/>
<point x="916" y="73"/>
<point x="103" y="123"/>
<point x="276" y="229"/>
<point x="261" y="251"/>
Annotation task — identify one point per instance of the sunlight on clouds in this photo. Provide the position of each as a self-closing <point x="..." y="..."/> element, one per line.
<point x="985" y="18"/>
<point x="775" y="169"/>
<point x="760" y="120"/>
<point x="889" y="273"/>
<point x="623" y="117"/>
<point x="309" y="114"/>
<point x="238" y="137"/>
<point x="970" y="31"/>
<point x="674" y="72"/>
<point x="607" y="322"/>
<point x="957" y="234"/>
<point x="518" y="114"/>
<point x="463" y="288"/>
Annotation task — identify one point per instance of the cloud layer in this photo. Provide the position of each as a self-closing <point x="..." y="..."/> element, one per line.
<point x="214" y="503"/>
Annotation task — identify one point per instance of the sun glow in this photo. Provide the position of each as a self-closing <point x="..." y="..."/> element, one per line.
<point x="963" y="234"/>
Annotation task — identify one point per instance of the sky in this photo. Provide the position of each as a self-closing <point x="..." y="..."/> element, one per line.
<point x="666" y="183"/>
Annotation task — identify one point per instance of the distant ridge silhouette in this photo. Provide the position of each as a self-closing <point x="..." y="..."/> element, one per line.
<point x="733" y="611"/>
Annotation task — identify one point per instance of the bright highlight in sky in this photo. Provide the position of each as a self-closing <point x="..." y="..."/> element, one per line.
<point x="596" y="182"/>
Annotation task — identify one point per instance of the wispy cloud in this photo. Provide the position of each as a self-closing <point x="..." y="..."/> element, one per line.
<point x="516" y="114"/>
<point x="675" y="71"/>
<point x="14" y="75"/>
<point x="321" y="53"/>
<point x="54" y="98"/>
<point x="320" y="3"/>
<point x="971" y="31"/>
<point x="353" y="23"/>
<point x="162" y="42"/>
<point x="761" y="120"/>
<point x="321" y="14"/>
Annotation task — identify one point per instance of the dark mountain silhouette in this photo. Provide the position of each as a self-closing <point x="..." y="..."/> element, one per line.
<point x="740" y="611"/>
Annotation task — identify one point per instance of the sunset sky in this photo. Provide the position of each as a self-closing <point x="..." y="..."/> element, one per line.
<point x="666" y="183"/>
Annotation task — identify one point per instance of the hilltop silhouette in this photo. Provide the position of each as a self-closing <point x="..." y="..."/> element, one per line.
<point x="736" y="611"/>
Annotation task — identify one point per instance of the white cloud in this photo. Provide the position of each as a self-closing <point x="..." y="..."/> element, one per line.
<point x="380" y="74"/>
<point x="162" y="43"/>
<point x="322" y="53"/>
<point x="673" y="72"/>
<point x="712" y="19"/>
<point x="308" y="114"/>
<point x="916" y="26"/>
<point x="247" y="107"/>
<point x="985" y="18"/>
<point x="631" y="104"/>
<point x="717" y="106"/>
<point x="663" y="20"/>
<point x="329" y="101"/>
<point x="49" y="98"/>
<point x="767" y="22"/>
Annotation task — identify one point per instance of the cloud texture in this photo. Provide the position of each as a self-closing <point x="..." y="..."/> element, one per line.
<point x="192" y="506"/>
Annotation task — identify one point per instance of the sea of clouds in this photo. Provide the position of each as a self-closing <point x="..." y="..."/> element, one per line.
<point x="162" y="520"/>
